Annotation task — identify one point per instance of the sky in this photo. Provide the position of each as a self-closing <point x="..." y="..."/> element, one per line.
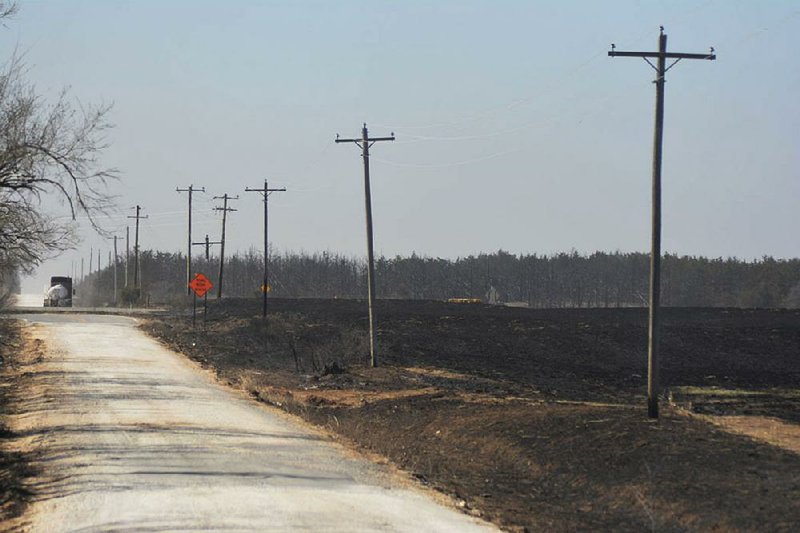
<point x="514" y="129"/>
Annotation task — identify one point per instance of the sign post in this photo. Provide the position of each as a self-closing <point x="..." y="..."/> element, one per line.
<point x="200" y="285"/>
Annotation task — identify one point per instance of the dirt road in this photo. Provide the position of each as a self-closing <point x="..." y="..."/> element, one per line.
<point x="133" y="437"/>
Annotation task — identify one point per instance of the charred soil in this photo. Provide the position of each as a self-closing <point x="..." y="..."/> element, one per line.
<point x="534" y="419"/>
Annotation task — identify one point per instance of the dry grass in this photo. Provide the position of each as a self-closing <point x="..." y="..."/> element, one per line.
<point x="20" y="350"/>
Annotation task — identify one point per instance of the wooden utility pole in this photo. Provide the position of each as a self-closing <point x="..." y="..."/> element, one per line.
<point x="115" y="270"/>
<point x="365" y="142"/>
<point x="91" y="259"/>
<point x="224" y="210"/>
<point x="265" y="192"/>
<point x="207" y="243"/>
<point x="127" y="253"/>
<point x="136" y="247"/>
<point x="190" y="190"/>
<point x="655" y="252"/>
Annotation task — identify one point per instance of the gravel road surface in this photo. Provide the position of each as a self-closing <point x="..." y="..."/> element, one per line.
<point x="137" y="438"/>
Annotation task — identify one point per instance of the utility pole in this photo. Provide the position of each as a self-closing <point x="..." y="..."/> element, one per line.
<point x="365" y="142"/>
<point x="190" y="190"/>
<point x="91" y="259"/>
<point x="207" y="243"/>
<point x="655" y="252"/>
<point x="224" y="210"/>
<point x="98" y="260"/>
<point x="115" y="270"/>
<point x="81" y="269"/>
<point x="127" y="253"/>
<point x="265" y="192"/>
<point x="136" y="247"/>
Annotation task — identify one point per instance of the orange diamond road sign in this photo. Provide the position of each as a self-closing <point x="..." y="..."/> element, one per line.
<point x="200" y="284"/>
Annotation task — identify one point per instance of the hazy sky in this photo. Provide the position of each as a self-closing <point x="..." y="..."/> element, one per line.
<point x="514" y="129"/>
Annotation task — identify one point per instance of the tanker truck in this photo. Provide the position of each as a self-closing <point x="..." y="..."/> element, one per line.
<point x="60" y="292"/>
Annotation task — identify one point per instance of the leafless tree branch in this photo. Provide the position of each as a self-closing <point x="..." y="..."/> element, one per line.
<point x="46" y="149"/>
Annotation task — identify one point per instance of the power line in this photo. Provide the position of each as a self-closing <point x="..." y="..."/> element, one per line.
<point x="447" y="165"/>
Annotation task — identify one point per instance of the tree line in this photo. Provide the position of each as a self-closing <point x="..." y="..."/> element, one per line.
<point x="559" y="280"/>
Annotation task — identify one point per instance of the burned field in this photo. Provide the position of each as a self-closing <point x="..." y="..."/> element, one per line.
<point x="535" y="419"/>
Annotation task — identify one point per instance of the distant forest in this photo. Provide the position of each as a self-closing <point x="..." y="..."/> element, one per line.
<point x="560" y="280"/>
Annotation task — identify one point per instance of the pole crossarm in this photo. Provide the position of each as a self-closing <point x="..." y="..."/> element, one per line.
<point x="667" y="55"/>
<point x="140" y="217"/>
<point x="207" y="243"/>
<point x="203" y="243"/>
<point x="225" y="198"/>
<point x="370" y="140"/>
<point x="264" y="191"/>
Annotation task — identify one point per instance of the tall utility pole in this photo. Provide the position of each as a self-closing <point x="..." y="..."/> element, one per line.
<point x="136" y="247"/>
<point x="190" y="190"/>
<point x="81" y="269"/>
<point x="265" y="192"/>
<point x="127" y="253"/>
<point x="98" y="260"/>
<point x="91" y="259"/>
<point x="115" y="270"/>
<point x="365" y="142"/>
<point x="655" y="253"/>
<point x="224" y="210"/>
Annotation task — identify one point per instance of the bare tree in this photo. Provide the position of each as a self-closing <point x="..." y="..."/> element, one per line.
<point x="27" y="237"/>
<point x="7" y="9"/>
<point x="47" y="149"/>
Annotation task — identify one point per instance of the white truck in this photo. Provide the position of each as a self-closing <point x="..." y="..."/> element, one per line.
<point x="60" y="292"/>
